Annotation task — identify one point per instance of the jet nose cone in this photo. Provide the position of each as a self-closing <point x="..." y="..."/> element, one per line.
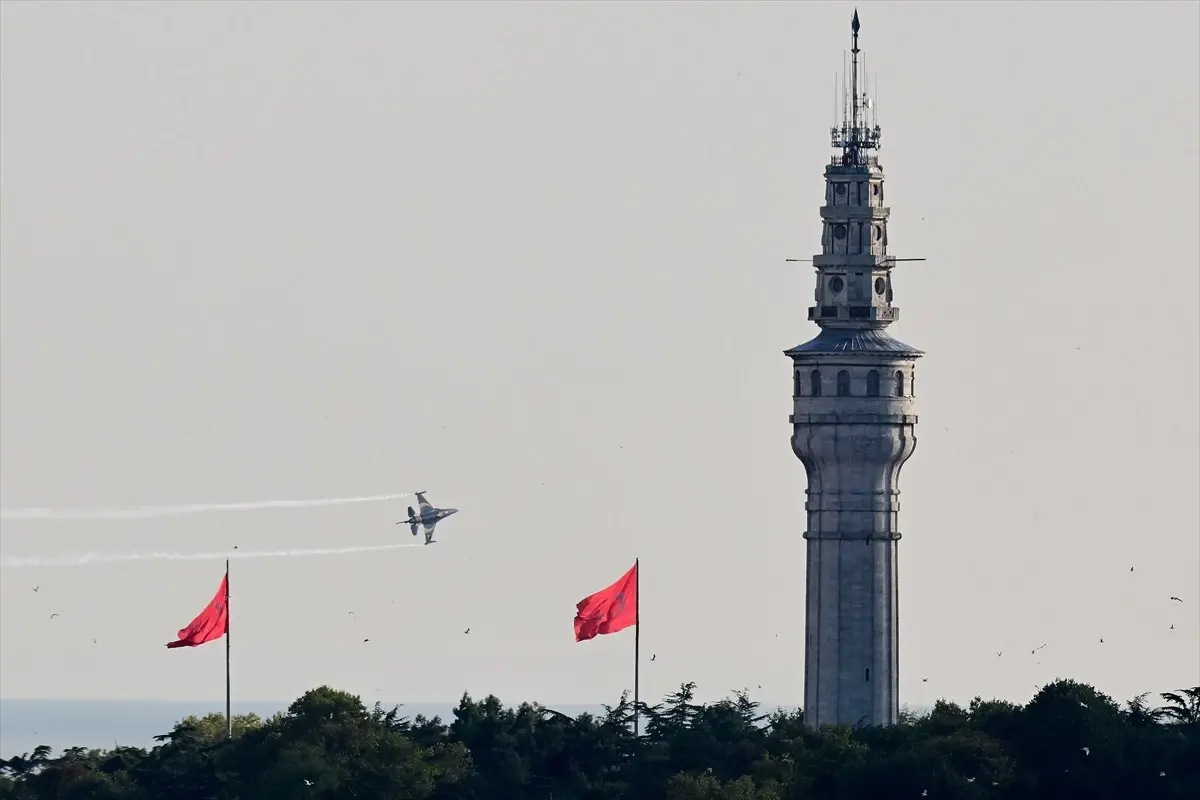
<point x="450" y="511"/>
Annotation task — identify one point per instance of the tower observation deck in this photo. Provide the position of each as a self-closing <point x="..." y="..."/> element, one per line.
<point x="853" y="428"/>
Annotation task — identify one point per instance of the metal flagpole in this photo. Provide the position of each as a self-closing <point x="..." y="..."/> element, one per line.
<point x="228" y="715"/>
<point x="637" y="636"/>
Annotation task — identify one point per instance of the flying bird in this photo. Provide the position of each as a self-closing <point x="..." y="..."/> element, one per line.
<point x="37" y="587"/>
<point x="52" y="616"/>
<point x="1173" y="598"/>
<point x="468" y="630"/>
<point x="654" y="656"/>
<point x="1087" y="751"/>
<point x="366" y="640"/>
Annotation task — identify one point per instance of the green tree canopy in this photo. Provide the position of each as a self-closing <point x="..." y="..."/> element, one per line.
<point x="1069" y="741"/>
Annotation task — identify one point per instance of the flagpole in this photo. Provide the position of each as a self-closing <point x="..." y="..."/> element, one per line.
<point x="637" y="636"/>
<point x="228" y="707"/>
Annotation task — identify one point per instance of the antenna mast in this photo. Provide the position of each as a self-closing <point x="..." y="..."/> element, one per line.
<point x="854" y="72"/>
<point x="860" y="134"/>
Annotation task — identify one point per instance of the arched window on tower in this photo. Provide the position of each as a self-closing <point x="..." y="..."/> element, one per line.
<point x="873" y="383"/>
<point x="797" y="385"/>
<point x="843" y="383"/>
<point x="814" y="383"/>
<point x="899" y="383"/>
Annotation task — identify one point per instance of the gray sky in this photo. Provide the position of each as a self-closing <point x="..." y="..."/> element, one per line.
<point x="531" y="258"/>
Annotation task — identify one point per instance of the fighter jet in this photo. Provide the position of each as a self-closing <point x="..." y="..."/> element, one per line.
<point x="429" y="517"/>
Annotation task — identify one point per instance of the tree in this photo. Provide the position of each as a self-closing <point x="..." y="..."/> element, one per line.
<point x="706" y="787"/>
<point x="23" y="765"/>
<point x="1068" y="741"/>
<point x="1183" y="706"/>
<point x="212" y="727"/>
<point x="329" y="746"/>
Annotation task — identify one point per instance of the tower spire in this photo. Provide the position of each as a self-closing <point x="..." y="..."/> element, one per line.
<point x="854" y="26"/>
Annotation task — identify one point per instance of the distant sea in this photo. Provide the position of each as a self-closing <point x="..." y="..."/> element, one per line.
<point x="25" y="724"/>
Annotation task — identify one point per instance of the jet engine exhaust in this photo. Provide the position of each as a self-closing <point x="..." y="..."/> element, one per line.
<point x="86" y="559"/>
<point x="152" y="512"/>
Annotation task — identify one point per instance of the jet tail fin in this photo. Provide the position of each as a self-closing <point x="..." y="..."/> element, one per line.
<point x="414" y="528"/>
<point x="410" y="512"/>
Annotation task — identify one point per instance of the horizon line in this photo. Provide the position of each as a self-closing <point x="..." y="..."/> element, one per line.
<point x="285" y="703"/>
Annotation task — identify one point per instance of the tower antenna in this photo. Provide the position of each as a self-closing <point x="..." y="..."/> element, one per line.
<point x="875" y="100"/>
<point x="866" y="93"/>
<point x="844" y="70"/>
<point x="857" y="133"/>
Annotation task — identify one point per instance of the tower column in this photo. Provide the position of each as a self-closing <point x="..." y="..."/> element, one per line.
<point x="852" y="461"/>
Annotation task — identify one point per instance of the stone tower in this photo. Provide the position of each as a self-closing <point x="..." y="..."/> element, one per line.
<point x="853" y="427"/>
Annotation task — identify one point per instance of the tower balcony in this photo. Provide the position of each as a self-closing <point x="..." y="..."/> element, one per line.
<point x="854" y="313"/>
<point x="862" y="261"/>
<point x="860" y="137"/>
<point x="854" y="213"/>
<point x="853" y="162"/>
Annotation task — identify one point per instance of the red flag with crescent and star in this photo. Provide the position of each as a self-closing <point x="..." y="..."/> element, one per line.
<point x="212" y="623"/>
<point x="609" y="610"/>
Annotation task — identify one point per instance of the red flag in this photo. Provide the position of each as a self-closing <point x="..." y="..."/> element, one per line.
<point x="212" y="623"/>
<point x="608" y="610"/>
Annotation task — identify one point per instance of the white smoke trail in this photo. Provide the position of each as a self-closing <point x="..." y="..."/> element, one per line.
<point x="81" y="559"/>
<point x="148" y="512"/>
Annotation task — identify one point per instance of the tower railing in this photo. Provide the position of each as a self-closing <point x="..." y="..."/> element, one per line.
<point x="867" y="138"/>
<point x="853" y="159"/>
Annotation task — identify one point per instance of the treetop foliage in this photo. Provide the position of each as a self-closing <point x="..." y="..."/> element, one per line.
<point x="1069" y="741"/>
